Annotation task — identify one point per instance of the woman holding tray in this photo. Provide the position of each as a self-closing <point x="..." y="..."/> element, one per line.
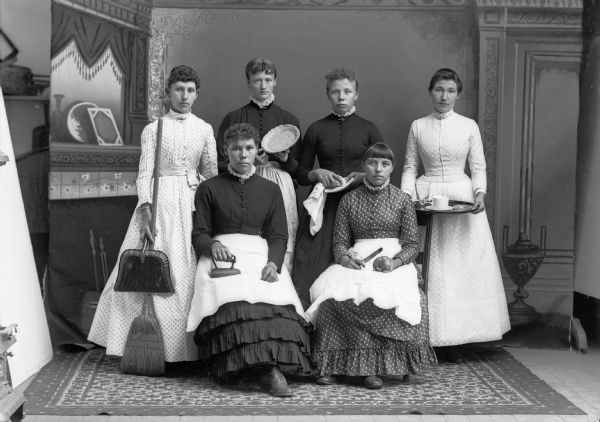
<point x="370" y="314"/>
<point x="466" y="296"/>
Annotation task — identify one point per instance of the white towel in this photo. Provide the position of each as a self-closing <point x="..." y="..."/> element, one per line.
<point x="315" y="203"/>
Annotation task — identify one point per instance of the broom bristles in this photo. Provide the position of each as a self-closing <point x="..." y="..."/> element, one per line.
<point x="144" y="352"/>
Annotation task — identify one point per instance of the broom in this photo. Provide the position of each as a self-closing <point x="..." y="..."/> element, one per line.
<point x="144" y="352"/>
<point x="144" y="349"/>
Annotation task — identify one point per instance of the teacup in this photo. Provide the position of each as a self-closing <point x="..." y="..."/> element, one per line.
<point x="439" y="202"/>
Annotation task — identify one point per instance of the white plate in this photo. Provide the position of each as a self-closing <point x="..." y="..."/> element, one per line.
<point x="79" y="123"/>
<point x="347" y="182"/>
<point x="431" y="208"/>
<point x="280" y="138"/>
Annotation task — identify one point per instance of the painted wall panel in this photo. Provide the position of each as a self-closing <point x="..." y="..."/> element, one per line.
<point x="392" y="53"/>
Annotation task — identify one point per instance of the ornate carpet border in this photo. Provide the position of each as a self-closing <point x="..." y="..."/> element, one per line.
<point x="488" y="381"/>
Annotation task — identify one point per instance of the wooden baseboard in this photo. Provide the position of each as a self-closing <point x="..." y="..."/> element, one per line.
<point x="587" y="309"/>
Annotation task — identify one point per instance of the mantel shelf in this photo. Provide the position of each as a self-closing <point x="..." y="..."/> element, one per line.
<point x="75" y="157"/>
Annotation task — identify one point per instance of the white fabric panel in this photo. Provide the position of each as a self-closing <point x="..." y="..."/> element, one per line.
<point x="20" y="295"/>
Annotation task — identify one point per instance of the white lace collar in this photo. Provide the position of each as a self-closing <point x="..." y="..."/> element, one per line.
<point x="178" y="116"/>
<point x="242" y="177"/>
<point x="263" y="104"/>
<point x="348" y="113"/>
<point x="376" y="188"/>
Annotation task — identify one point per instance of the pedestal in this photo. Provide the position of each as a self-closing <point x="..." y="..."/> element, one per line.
<point x="521" y="268"/>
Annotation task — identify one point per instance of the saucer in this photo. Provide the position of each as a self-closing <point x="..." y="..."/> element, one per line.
<point x="431" y="208"/>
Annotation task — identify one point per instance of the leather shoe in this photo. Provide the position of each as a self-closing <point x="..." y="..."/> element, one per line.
<point x="326" y="380"/>
<point x="275" y="383"/>
<point x="373" y="382"/>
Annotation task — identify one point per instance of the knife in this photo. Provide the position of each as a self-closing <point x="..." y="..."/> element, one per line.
<point x="373" y="255"/>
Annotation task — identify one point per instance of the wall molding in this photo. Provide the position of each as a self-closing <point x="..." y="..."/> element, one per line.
<point x="316" y="4"/>
<point x="536" y="60"/>
<point x="68" y="156"/>
<point x="489" y="86"/>
<point x="131" y="13"/>
<point x="538" y="4"/>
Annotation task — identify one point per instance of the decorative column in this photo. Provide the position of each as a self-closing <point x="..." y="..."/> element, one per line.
<point x="502" y="25"/>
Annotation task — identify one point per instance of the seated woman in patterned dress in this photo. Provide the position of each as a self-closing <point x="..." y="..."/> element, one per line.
<point x="251" y="323"/>
<point x="371" y="316"/>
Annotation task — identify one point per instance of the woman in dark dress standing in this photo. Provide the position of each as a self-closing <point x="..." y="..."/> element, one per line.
<point x="338" y="141"/>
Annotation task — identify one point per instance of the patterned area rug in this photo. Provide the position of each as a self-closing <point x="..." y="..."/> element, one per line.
<point x="487" y="380"/>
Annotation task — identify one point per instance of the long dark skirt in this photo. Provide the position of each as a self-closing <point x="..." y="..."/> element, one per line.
<point x="241" y="335"/>
<point x="366" y="340"/>
<point x="313" y="254"/>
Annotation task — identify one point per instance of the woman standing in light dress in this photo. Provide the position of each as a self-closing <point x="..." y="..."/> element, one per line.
<point x="466" y="296"/>
<point x="188" y="144"/>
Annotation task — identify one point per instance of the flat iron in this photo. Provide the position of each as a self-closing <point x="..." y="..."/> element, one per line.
<point x="217" y="272"/>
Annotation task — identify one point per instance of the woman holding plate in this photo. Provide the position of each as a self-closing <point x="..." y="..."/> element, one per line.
<point x="370" y="315"/>
<point x="466" y="295"/>
<point x="338" y="141"/>
<point x="279" y="127"/>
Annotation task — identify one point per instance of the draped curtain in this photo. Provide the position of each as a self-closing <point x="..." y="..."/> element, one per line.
<point x="92" y="36"/>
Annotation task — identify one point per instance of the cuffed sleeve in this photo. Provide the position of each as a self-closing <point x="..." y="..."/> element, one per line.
<point x="146" y="166"/>
<point x="411" y="164"/>
<point x="477" y="161"/>
<point x="409" y="234"/>
<point x="342" y="237"/>
<point x="307" y="155"/>
<point x="202" y="232"/>
<point x="276" y="230"/>
<point x="208" y="161"/>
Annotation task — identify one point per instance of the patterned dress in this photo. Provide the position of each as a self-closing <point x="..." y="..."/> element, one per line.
<point x="338" y="143"/>
<point x="188" y="143"/>
<point x="368" y="338"/>
<point x="465" y="290"/>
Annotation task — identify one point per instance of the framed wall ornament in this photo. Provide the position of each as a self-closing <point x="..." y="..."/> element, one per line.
<point x="98" y="44"/>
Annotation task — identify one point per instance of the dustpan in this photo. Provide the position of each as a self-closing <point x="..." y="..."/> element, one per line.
<point x="146" y="270"/>
<point x="217" y="272"/>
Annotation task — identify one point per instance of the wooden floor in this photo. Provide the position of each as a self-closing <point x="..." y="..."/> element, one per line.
<point x="576" y="376"/>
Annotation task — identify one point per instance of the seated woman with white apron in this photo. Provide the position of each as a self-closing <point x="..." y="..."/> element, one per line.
<point x="251" y="323"/>
<point x="370" y="314"/>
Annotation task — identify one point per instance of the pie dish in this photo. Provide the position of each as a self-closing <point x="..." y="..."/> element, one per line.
<point x="280" y="138"/>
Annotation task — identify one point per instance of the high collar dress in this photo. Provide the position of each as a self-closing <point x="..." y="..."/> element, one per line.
<point x="466" y="295"/>
<point x="338" y="143"/>
<point x="188" y="144"/>
<point x="264" y="119"/>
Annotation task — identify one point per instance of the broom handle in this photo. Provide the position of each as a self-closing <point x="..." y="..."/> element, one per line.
<point x="156" y="178"/>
